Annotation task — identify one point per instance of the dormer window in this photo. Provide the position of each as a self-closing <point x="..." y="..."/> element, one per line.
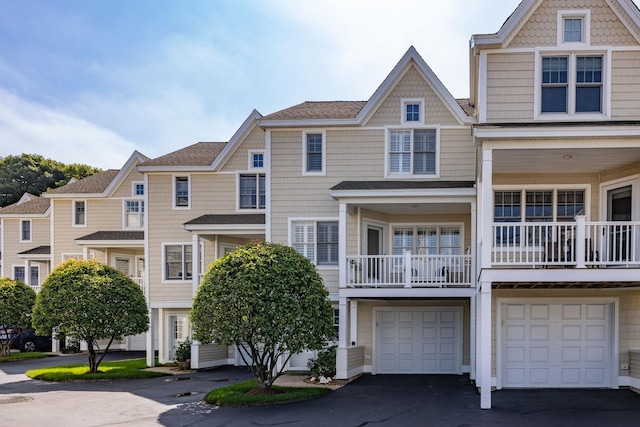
<point x="574" y="26"/>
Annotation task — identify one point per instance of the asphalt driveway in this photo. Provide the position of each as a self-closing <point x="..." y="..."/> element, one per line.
<point x="381" y="400"/>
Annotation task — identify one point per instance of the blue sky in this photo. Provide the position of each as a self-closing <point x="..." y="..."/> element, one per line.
<point x="91" y="81"/>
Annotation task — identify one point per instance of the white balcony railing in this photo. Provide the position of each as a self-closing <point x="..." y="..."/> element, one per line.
<point x="409" y="271"/>
<point x="570" y="244"/>
<point x="139" y="281"/>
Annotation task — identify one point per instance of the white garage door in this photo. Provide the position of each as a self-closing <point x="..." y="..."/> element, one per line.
<point x="419" y="341"/>
<point x="556" y="345"/>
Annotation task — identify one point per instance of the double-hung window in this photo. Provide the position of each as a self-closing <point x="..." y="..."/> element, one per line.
<point x="317" y="240"/>
<point x="427" y="240"/>
<point x="252" y="191"/>
<point x="314" y="153"/>
<point x="25" y="230"/>
<point x="572" y="84"/>
<point x="18" y="273"/>
<point x="178" y="262"/>
<point x="133" y="213"/>
<point x="413" y="152"/>
<point x="79" y="213"/>
<point x="181" y="192"/>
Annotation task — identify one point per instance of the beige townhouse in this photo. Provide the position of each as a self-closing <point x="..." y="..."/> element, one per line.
<point x="556" y="92"/>
<point x="25" y="241"/>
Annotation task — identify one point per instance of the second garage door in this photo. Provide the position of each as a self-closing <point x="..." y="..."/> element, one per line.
<point x="556" y="344"/>
<point x="419" y="341"/>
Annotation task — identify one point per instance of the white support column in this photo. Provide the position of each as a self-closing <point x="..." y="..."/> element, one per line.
<point x="486" y="207"/>
<point x="353" y="322"/>
<point x="474" y="337"/>
<point x="27" y="272"/>
<point x="162" y="338"/>
<point x="484" y="320"/>
<point x="342" y="351"/>
<point x="85" y="252"/>
<point x="581" y="240"/>
<point x="195" y="263"/>
<point x="150" y="333"/>
<point x="342" y="246"/>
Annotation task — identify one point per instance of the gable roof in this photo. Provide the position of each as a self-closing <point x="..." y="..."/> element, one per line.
<point x="27" y="206"/>
<point x="526" y="8"/>
<point x="202" y="156"/>
<point x="113" y="235"/>
<point x="198" y="154"/>
<point x="99" y="185"/>
<point x="337" y="113"/>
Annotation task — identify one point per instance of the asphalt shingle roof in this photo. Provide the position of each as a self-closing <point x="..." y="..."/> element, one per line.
<point x="199" y="154"/>
<point x="114" y="235"/>
<point x="40" y="250"/>
<point x="310" y="110"/>
<point x="35" y="206"/>
<point x="90" y="185"/>
<point x="232" y="219"/>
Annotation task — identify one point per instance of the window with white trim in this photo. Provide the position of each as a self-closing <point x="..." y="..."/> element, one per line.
<point x="133" y="213"/>
<point x="412" y="111"/>
<point x="317" y="240"/>
<point x="178" y="262"/>
<point x="413" y="152"/>
<point x="25" y="230"/>
<point x="137" y="189"/>
<point x="314" y="153"/>
<point x="427" y="240"/>
<point x="18" y="273"/>
<point x="572" y="30"/>
<point x="252" y="191"/>
<point x="79" y="213"/>
<point x="573" y="27"/>
<point x="256" y="159"/>
<point x="35" y="276"/>
<point x="181" y="197"/>
<point x="572" y="84"/>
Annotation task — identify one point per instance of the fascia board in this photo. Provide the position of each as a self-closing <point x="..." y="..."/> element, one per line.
<point x="238" y="229"/>
<point x="106" y="243"/>
<point x="244" y="129"/>
<point x="573" y="132"/>
<point x="440" y="192"/>
<point x="308" y="123"/>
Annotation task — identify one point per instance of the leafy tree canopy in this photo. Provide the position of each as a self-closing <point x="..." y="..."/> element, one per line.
<point x="32" y="173"/>
<point x="16" y="304"/>
<point x="267" y="299"/>
<point x="89" y="301"/>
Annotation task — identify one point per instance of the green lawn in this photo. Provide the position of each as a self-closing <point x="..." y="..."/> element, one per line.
<point x="119" y="370"/>
<point x="23" y="356"/>
<point x="235" y="395"/>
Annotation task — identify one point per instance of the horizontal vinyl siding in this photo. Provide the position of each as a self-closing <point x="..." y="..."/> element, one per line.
<point x="239" y="160"/>
<point x="212" y="352"/>
<point x="510" y="87"/>
<point x="40" y="233"/>
<point x="125" y="190"/>
<point x="625" y="85"/>
<point x="457" y="155"/>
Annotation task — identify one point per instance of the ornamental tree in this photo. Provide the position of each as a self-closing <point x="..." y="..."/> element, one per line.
<point x="89" y="301"/>
<point x="268" y="300"/>
<point x="16" y="304"/>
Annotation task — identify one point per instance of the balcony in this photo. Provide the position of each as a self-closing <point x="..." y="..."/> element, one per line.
<point x="409" y="271"/>
<point x="139" y="281"/>
<point x="579" y="244"/>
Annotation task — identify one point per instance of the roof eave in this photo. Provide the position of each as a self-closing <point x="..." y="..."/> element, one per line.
<point x="308" y="122"/>
<point x="426" y="192"/>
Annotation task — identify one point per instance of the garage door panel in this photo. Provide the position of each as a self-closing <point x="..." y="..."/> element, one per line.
<point x="422" y="340"/>
<point x="571" y="347"/>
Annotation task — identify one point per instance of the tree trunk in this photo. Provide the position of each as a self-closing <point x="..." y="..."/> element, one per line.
<point x="93" y="366"/>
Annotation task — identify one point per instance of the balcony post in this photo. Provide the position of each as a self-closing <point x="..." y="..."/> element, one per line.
<point x="581" y="239"/>
<point x="486" y="209"/>
<point x="342" y="246"/>
<point x="407" y="270"/>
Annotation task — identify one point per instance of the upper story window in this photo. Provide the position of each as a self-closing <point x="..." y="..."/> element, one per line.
<point x="25" y="230"/>
<point x="133" y="213"/>
<point x="137" y="189"/>
<point x="572" y="84"/>
<point x="427" y="240"/>
<point x="413" y="152"/>
<point x="79" y="213"/>
<point x="252" y="191"/>
<point x="19" y="274"/>
<point x="412" y="111"/>
<point x="317" y="240"/>
<point x="314" y="153"/>
<point x="178" y="262"/>
<point x="181" y="187"/>
<point x="256" y="159"/>
<point x="572" y="30"/>
<point x="538" y="205"/>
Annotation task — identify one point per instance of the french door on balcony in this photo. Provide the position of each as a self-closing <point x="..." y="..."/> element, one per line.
<point x="619" y="208"/>
<point x="374" y="248"/>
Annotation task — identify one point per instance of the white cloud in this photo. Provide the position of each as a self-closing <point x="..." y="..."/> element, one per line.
<point x="57" y="136"/>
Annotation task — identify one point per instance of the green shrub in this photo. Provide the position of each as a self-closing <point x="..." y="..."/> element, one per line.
<point x="325" y="364"/>
<point x="183" y="351"/>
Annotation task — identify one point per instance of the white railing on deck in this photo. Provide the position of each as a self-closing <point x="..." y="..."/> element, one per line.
<point x="570" y="244"/>
<point x="409" y="271"/>
<point x="139" y="281"/>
